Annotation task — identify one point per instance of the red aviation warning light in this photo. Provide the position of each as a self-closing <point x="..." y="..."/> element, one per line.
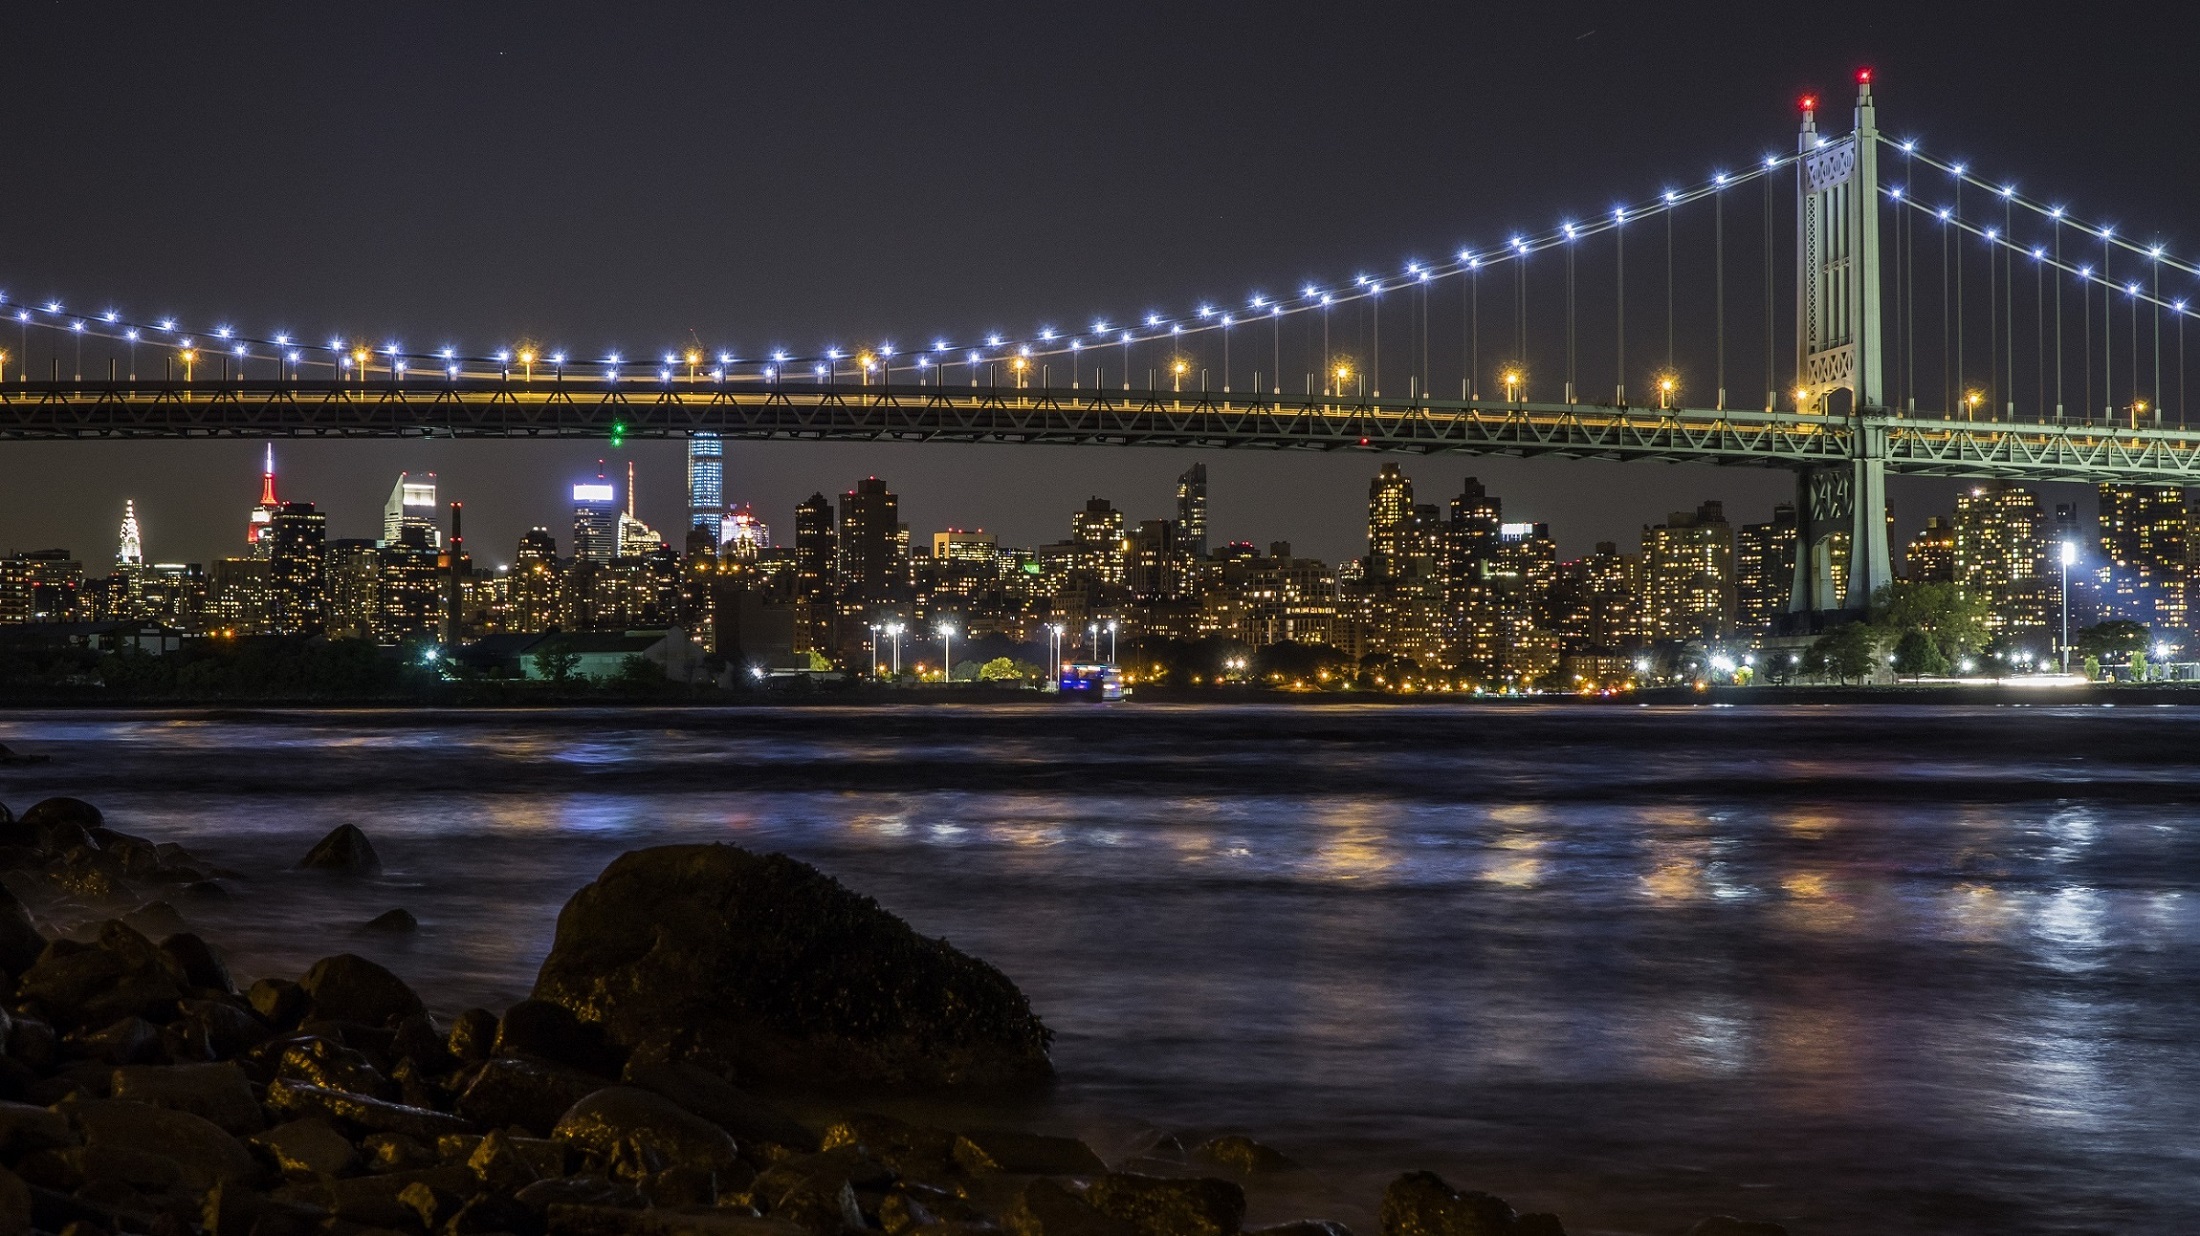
<point x="1810" y="102"/>
<point x="1863" y="77"/>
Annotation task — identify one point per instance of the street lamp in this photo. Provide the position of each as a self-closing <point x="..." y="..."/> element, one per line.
<point x="1667" y="384"/>
<point x="874" y="649"/>
<point x="947" y="660"/>
<point x="1511" y="379"/>
<point x="1054" y="650"/>
<point x="895" y="629"/>
<point x="1177" y="371"/>
<point x="1111" y="641"/>
<point x="2069" y="556"/>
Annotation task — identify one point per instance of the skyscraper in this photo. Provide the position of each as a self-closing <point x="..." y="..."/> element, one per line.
<point x="1999" y="556"/>
<point x="297" y="569"/>
<point x="130" y="549"/>
<point x="1931" y="555"/>
<point x="1097" y="533"/>
<point x="706" y="481"/>
<point x="596" y="519"/>
<point x="262" y="514"/>
<point x="2145" y="539"/>
<point x="815" y="550"/>
<point x="741" y="536"/>
<point x="1764" y="570"/>
<point x="636" y="539"/>
<point x="1191" y="512"/>
<point x="411" y="504"/>
<point x="1688" y="575"/>
<point x="870" y="525"/>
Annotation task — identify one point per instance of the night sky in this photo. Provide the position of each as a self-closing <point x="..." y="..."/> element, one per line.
<point x="635" y="176"/>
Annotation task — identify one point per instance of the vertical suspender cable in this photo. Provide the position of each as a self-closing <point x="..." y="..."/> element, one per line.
<point x="1570" y="388"/>
<point x="1718" y="298"/>
<point x="1619" y="363"/>
<point x="1772" y="396"/>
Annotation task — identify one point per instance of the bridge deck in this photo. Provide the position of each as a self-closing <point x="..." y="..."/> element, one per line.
<point x="493" y="408"/>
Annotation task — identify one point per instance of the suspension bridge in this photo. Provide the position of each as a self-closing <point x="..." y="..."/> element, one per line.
<point x="1872" y="360"/>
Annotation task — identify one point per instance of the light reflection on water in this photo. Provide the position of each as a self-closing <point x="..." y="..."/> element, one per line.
<point x="1902" y="970"/>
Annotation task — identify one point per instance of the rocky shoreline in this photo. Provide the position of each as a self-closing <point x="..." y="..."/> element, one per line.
<point x="693" y="998"/>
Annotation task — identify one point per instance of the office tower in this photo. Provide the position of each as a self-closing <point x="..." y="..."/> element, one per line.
<point x="1470" y="547"/>
<point x="1688" y="575"/>
<point x="41" y="585"/>
<point x="297" y="569"/>
<point x="2146" y="535"/>
<point x="1403" y="579"/>
<point x="595" y="519"/>
<point x="536" y="585"/>
<point x="1153" y="568"/>
<point x="411" y="504"/>
<point x="1097" y="533"/>
<point x="1998" y="554"/>
<point x="1764" y="570"/>
<point x="816" y="552"/>
<point x="1930" y="557"/>
<point x="1191" y="512"/>
<point x="706" y="455"/>
<point x="870" y="555"/>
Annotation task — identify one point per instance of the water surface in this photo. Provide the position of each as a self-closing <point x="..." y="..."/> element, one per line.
<point x="1915" y="969"/>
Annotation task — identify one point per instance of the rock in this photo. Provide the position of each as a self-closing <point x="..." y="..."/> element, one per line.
<point x="768" y="962"/>
<point x="217" y="1093"/>
<point x="278" y="1002"/>
<point x="203" y="1153"/>
<point x="503" y="1167"/>
<point x="122" y="975"/>
<point x="680" y="1186"/>
<point x="75" y="813"/>
<point x="510" y="1091"/>
<point x="306" y="1148"/>
<point x="1161" y="1206"/>
<point x="591" y="1191"/>
<point x="1727" y="1225"/>
<point x="750" y="1120"/>
<point x="390" y="1152"/>
<point x="567" y="1219"/>
<point x="436" y="1207"/>
<point x="473" y="1035"/>
<point x="545" y="1031"/>
<point x="297" y="1100"/>
<point x="632" y="1133"/>
<point x="348" y="987"/>
<point x="1048" y="1209"/>
<point x="397" y="922"/>
<point x="202" y="967"/>
<point x="1242" y="1154"/>
<point x="320" y="1062"/>
<point x="984" y="1151"/>
<point x="345" y="851"/>
<point x="15" y="1196"/>
<point x="25" y="1130"/>
<point x="374" y="1200"/>
<point x="20" y="943"/>
<point x="419" y="1041"/>
<point x="126" y="1040"/>
<point x="221" y="1027"/>
<point x="1301" y="1227"/>
<point x="1421" y="1204"/>
<point x="156" y="920"/>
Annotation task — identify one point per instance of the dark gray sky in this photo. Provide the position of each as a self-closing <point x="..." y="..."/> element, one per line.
<point x="622" y="176"/>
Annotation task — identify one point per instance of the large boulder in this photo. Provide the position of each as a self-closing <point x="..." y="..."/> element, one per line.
<point x="766" y="963"/>
<point x="348" y="987"/>
<point x="1421" y="1204"/>
<point x="632" y="1132"/>
<point x="345" y="851"/>
<point x="20" y="943"/>
<point x="51" y="812"/>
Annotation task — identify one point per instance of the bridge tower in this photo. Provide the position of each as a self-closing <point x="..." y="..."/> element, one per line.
<point x="1839" y="366"/>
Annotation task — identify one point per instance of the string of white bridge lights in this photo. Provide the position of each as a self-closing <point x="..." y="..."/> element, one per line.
<point x="2058" y="215"/>
<point x="346" y="358"/>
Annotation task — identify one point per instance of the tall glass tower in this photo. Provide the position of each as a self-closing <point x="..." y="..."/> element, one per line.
<point x="706" y="481"/>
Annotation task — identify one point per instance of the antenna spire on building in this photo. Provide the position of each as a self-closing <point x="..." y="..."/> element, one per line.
<point x="630" y="489"/>
<point x="267" y="478"/>
<point x="131" y="552"/>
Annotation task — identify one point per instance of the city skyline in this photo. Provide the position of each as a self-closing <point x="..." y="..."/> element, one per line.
<point x="957" y="252"/>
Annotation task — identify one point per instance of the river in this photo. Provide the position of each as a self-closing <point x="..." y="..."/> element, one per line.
<point x="1885" y="969"/>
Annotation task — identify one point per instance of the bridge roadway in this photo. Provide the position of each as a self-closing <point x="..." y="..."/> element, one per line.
<point x="492" y="407"/>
